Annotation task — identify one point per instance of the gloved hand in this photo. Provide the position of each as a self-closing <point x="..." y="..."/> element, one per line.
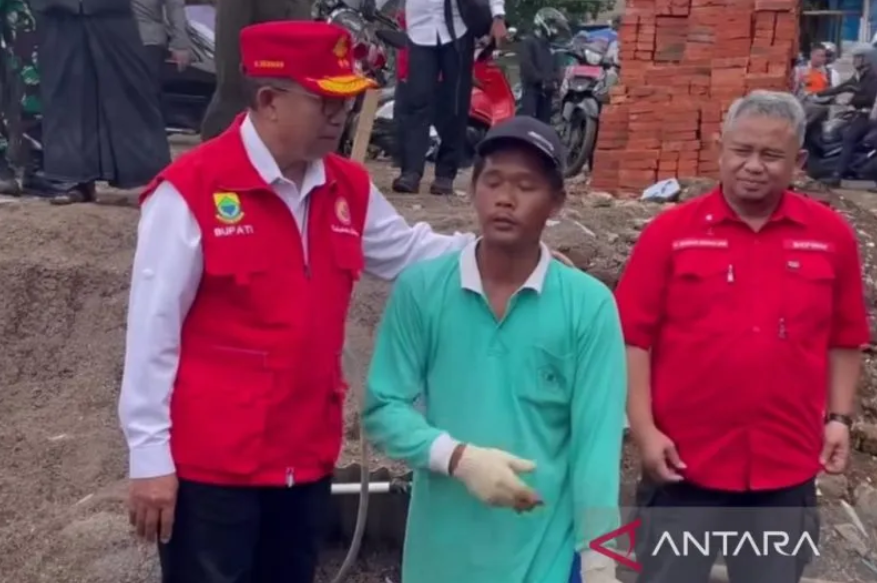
<point x="597" y="568"/>
<point x="491" y="476"/>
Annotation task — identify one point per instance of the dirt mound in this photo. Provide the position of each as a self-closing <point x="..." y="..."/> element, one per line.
<point x="63" y="292"/>
<point x="64" y="275"/>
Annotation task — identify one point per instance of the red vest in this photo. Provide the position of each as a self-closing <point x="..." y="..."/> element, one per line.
<point x="259" y="392"/>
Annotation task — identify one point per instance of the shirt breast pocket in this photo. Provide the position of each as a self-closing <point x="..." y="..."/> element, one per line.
<point x="809" y="287"/>
<point x="543" y="398"/>
<point x="347" y="251"/>
<point x="700" y="289"/>
<point x="242" y="277"/>
<point x="548" y="385"/>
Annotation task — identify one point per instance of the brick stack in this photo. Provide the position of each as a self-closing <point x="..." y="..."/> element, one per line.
<point x="683" y="62"/>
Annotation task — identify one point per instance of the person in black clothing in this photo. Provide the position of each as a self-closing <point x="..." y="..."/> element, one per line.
<point x="101" y="115"/>
<point x="863" y="86"/>
<point x="540" y="77"/>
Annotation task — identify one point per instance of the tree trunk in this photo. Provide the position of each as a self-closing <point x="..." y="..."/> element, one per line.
<point x="231" y="16"/>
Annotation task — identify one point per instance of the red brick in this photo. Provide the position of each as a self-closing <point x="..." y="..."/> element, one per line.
<point x="684" y="62"/>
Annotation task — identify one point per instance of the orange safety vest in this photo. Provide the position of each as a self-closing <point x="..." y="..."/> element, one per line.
<point x="815" y="80"/>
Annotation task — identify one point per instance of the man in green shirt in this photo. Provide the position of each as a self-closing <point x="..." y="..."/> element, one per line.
<point x="499" y="377"/>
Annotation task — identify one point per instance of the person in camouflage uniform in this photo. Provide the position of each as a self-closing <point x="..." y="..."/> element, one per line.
<point x="20" y="113"/>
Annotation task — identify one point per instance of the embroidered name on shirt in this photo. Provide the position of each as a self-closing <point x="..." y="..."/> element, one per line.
<point x="808" y="246"/>
<point x="233" y="230"/>
<point x="345" y="230"/>
<point x="700" y="244"/>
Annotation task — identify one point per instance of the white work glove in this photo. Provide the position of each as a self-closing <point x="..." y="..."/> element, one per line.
<point x="597" y="568"/>
<point x="491" y="475"/>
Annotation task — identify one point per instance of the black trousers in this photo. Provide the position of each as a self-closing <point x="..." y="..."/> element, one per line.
<point x="401" y="119"/>
<point x="225" y="534"/>
<point x="681" y="512"/>
<point x="448" y="97"/>
<point x="536" y="102"/>
<point x="156" y="55"/>
<point x="853" y="134"/>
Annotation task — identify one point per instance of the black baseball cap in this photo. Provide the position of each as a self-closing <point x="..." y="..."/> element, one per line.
<point x="528" y="131"/>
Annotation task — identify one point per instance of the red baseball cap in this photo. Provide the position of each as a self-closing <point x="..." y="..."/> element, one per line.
<point x="316" y="55"/>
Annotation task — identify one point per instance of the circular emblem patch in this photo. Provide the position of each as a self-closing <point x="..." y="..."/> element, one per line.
<point x="342" y="211"/>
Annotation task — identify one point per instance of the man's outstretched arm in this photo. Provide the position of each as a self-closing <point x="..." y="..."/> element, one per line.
<point x="395" y="381"/>
<point x="390" y="244"/>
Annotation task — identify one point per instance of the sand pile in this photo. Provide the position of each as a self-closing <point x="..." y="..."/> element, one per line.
<point x="63" y="291"/>
<point x="64" y="276"/>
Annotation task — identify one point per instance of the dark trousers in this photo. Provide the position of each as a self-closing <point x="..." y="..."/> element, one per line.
<point x="225" y="534"/>
<point x="401" y="119"/>
<point x="448" y="96"/>
<point x="536" y="102"/>
<point x="853" y="134"/>
<point x="156" y="56"/>
<point x="676" y="511"/>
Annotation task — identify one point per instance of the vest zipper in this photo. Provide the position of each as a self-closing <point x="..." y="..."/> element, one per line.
<point x="304" y="237"/>
<point x="290" y="479"/>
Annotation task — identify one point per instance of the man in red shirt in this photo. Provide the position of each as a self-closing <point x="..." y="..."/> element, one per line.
<point x="743" y="312"/>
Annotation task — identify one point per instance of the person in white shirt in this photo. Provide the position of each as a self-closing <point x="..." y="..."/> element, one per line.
<point x="440" y="59"/>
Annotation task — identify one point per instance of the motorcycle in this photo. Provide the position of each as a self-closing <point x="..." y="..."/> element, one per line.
<point x="369" y="54"/>
<point x="825" y="144"/>
<point x="491" y="102"/>
<point x="583" y="93"/>
<point x="185" y="94"/>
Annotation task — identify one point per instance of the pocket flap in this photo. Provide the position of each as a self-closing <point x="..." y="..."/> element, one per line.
<point x="701" y="263"/>
<point x="812" y="268"/>
<point x="347" y="250"/>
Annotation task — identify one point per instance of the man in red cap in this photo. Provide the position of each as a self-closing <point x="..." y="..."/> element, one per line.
<point x="249" y="248"/>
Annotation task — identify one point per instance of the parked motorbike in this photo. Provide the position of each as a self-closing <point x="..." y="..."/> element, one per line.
<point x="824" y="147"/>
<point x="583" y="92"/>
<point x="185" y="94"/>
<point x="370" y="54"/>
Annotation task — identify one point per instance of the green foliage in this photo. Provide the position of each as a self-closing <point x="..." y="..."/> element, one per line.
<point x="520" y="12"/>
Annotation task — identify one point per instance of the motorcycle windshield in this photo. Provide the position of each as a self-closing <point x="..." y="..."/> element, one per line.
<point x="202" y="19"/>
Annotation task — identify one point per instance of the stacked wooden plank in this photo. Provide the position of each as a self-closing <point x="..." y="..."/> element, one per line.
<point x="683" y="62"/>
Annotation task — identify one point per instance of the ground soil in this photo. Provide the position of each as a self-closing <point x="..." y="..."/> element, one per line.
<point x="64" y="275"/>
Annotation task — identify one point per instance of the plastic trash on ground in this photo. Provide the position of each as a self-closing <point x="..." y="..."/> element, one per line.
<point x="663" y="191"/>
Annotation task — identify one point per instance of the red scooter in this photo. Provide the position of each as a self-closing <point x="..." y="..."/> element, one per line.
<point x="492" y="99"/>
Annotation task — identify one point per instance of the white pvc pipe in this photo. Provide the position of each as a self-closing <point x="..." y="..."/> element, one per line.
<point x="356" y="487"/>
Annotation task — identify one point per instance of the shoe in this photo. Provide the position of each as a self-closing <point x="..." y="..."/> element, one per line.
<point x="407" y="184"/>
<point x="442" y="186"/>
<point x="8" y="183"/>
<point x="832" y="181"/>
<point x="35" y="183"/>
<point x="78" y="193"/>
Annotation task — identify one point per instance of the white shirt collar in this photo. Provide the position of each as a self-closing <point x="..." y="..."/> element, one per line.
<point x="267" y="167"/>
<point x="470" y="277"/>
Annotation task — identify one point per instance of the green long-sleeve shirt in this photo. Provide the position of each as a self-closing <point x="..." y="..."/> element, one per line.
<point x="547" y="383"/>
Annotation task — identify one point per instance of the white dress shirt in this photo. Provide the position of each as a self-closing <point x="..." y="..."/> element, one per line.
<point x="167" y="271"/>
<point x="425" y="20"/>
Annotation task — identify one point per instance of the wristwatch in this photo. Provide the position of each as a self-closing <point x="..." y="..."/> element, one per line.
<point x="840" y="418"/>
